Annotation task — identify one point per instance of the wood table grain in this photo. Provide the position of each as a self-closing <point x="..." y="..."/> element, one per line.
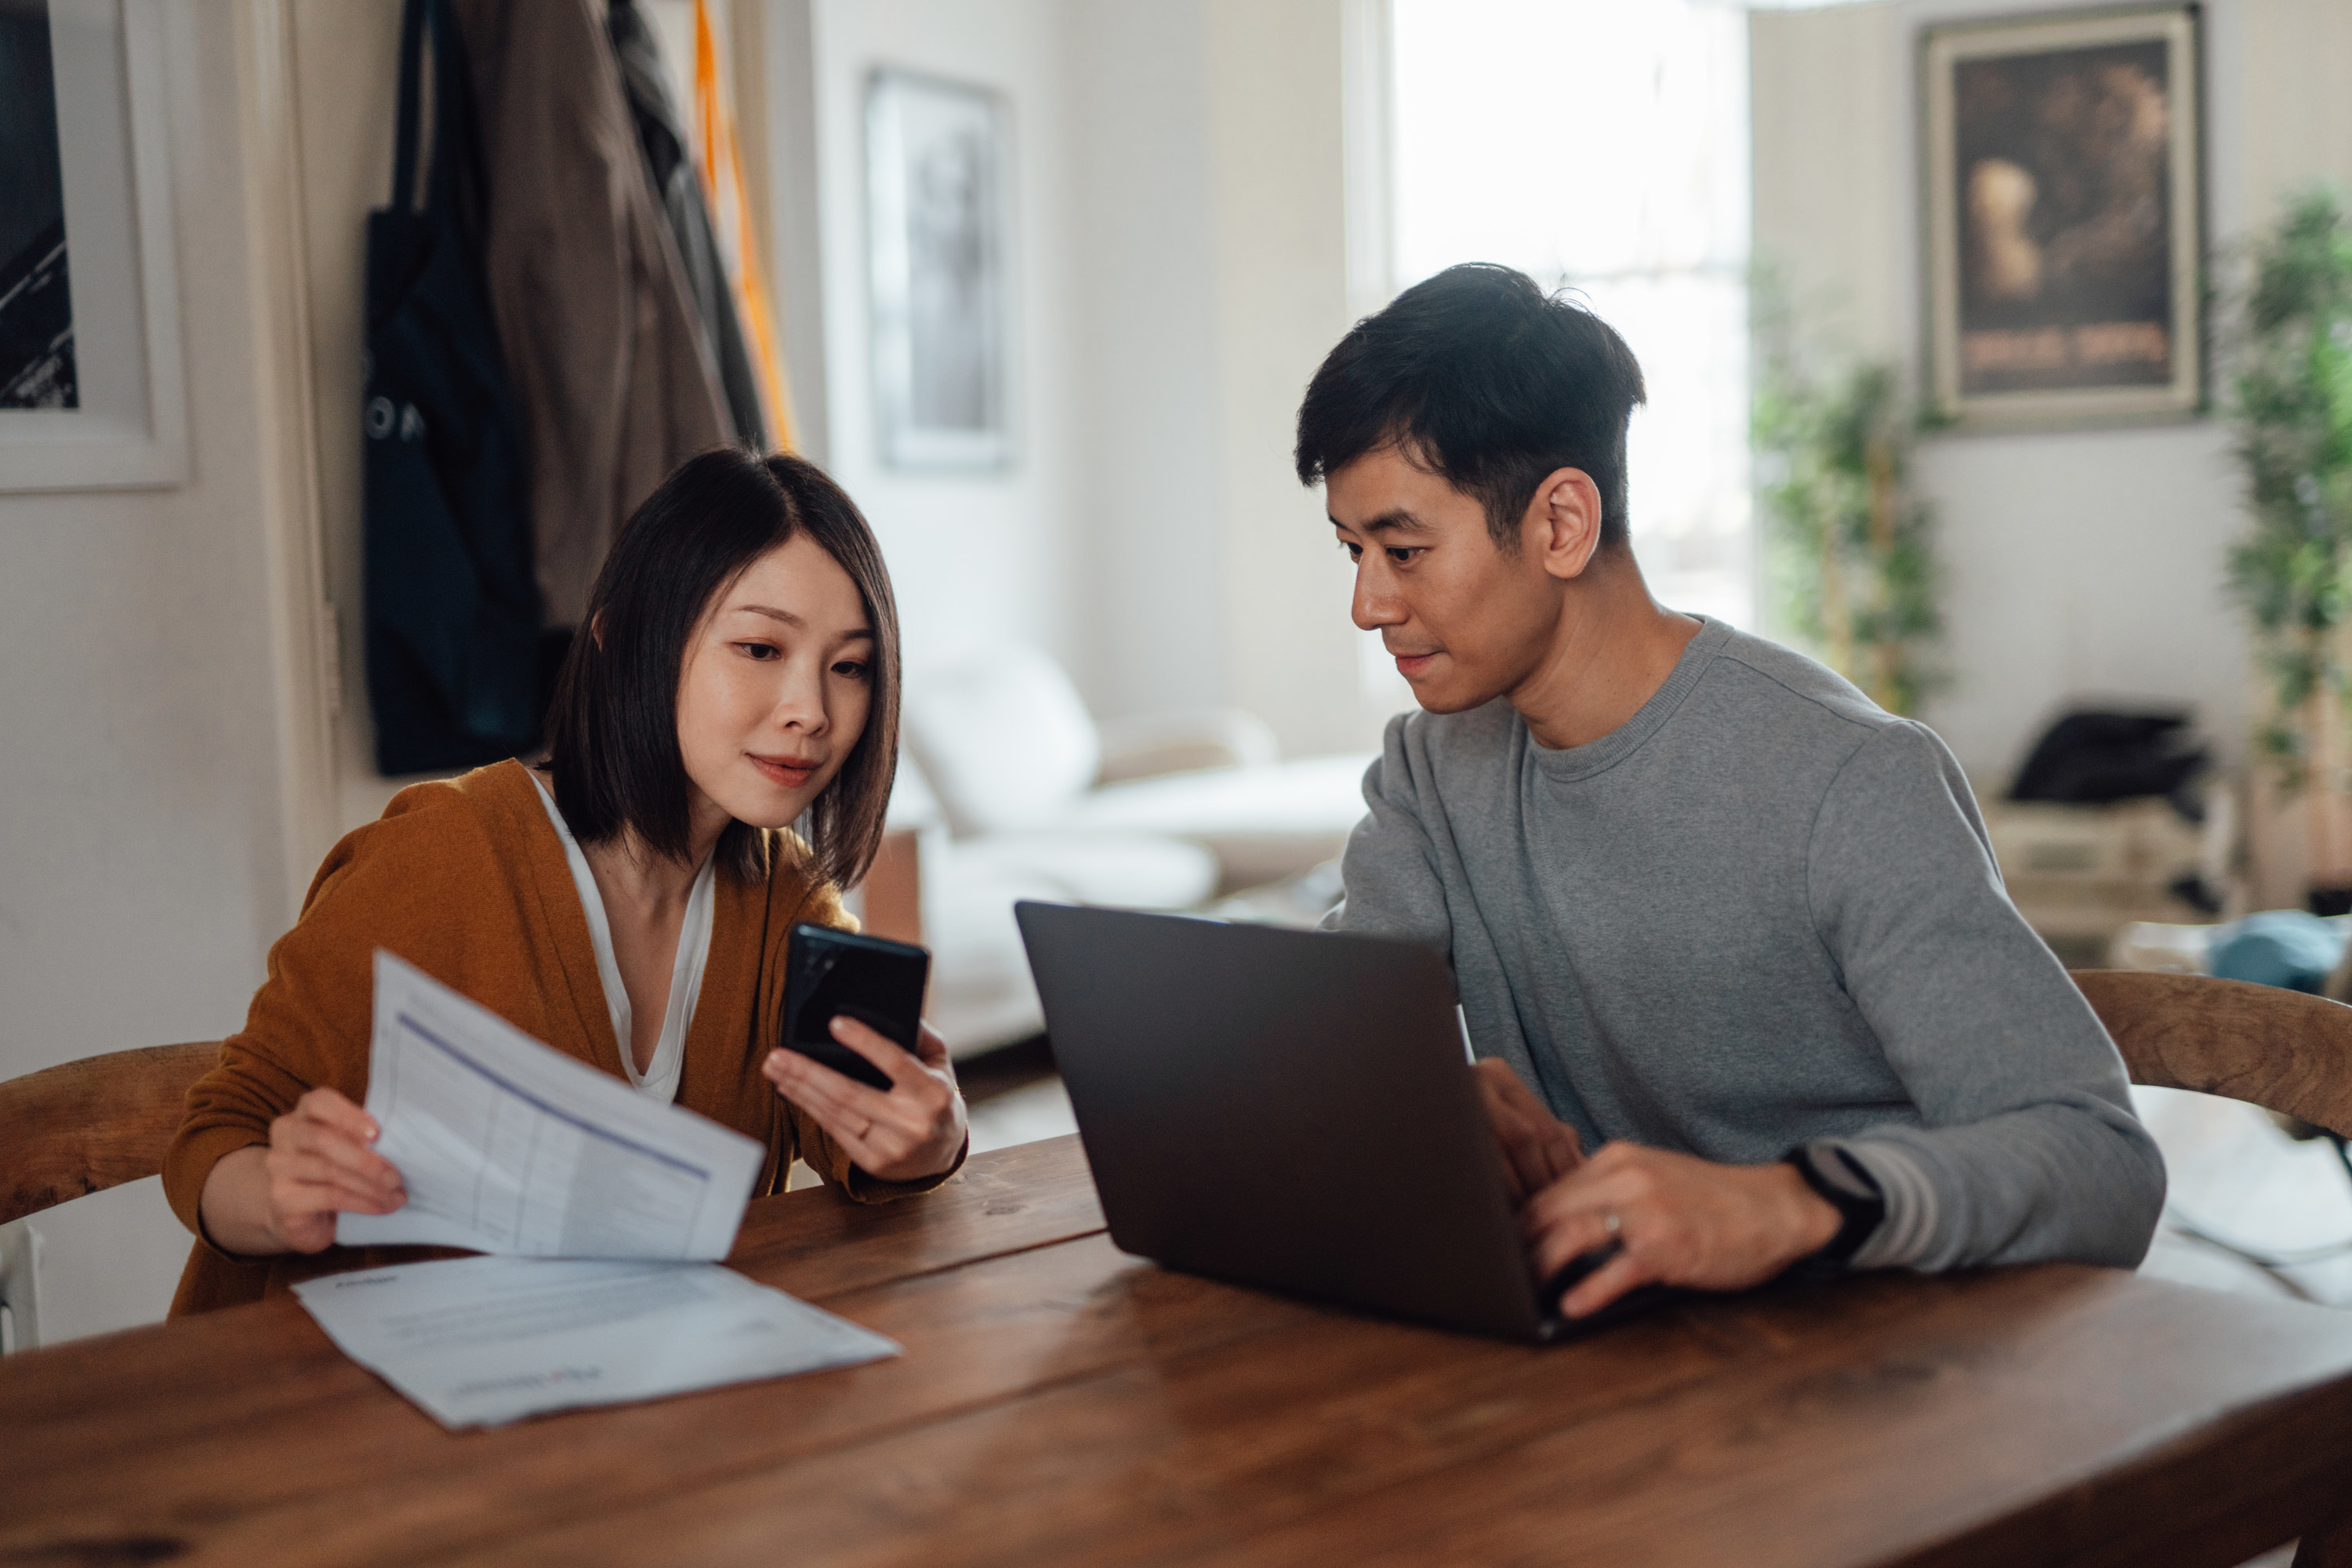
<point x="1060" y="1402"/>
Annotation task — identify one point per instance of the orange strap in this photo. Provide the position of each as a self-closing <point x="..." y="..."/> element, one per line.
<point x="720" y="164"/>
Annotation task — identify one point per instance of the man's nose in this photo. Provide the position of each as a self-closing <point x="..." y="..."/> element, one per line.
<point x="1373" y="606"/>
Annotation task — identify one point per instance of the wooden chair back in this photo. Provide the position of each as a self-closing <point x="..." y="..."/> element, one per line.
<point x="83" y="1127"/>
<point x="2282" y="1050"/>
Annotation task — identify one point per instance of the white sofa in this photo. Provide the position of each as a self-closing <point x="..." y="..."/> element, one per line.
<point x="1016" y="793"/>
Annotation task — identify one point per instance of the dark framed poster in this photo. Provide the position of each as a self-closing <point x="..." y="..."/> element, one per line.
<point x="91" y="389"/>
<point x="36" y="349"/>
<point x="2065" y="243"/>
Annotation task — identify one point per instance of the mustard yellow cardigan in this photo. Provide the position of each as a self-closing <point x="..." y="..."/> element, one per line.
<point x="467" y="880"/>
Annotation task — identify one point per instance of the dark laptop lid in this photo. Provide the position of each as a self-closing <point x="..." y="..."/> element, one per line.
<point x="1283" y="1108"/>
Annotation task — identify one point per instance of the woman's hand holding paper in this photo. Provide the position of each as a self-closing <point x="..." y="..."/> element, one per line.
<point x="284" y="1197"/>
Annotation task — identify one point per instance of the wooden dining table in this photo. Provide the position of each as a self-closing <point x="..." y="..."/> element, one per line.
<point x="1061" y="1402"/>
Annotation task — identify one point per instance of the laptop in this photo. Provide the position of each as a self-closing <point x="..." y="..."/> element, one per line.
<point x="1292" y="1110"/>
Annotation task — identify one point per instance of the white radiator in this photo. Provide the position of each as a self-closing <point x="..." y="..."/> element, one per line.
<point x="20" y="1287"/>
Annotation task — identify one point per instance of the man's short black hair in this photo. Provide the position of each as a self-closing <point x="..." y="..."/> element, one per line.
<point x="1479" y="377"/>
<point x="612" y="727"/>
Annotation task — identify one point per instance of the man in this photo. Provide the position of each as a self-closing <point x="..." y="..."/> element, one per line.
<point x="1711" y="914"/>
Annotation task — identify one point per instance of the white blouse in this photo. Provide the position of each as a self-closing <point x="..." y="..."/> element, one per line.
<point x="658" y="1081"/>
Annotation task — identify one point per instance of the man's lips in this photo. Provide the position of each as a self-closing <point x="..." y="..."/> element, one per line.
<point x="791" y="772"/>
<point x="1411" y="664"/>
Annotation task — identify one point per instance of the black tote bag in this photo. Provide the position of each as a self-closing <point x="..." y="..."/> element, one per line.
<point x="453" y="611"/>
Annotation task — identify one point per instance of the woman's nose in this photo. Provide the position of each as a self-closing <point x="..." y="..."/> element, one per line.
<point x="801" y="705"/>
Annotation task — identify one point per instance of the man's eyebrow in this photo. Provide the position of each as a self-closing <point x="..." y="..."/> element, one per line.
<point x="1397" y="522"/>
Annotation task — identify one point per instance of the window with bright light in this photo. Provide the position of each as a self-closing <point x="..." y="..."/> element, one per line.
<point x="1601" y="145"/>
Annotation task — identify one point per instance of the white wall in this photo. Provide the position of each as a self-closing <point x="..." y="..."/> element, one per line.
<point x="1278" y="219"/>
<point x="1179" y="270"/>
<point x="973" y="557"/>
<point x="1212" y="239"/>
<point x="143" y="868"/>
<point x="345" y="68"/>
<point x="2086" y="563"/>
<point x="1152" y="496"/>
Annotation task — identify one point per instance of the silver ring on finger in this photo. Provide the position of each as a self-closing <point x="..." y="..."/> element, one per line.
<point x="1612" y="1224"/>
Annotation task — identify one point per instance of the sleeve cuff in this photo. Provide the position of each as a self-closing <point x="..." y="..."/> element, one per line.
<point x="1907" y="1233"/>
<point x="189" y="1167"/>
<point x="868" y="1189"/>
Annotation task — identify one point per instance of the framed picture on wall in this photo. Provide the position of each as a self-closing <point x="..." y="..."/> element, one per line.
<point x="2065" y="235"/>
<point x="936" y="156"/>
<point x="91" y="389"/>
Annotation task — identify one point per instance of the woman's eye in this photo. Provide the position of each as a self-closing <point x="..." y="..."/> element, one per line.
<point x="850" y="669"/>
<point x="760" y="650"/>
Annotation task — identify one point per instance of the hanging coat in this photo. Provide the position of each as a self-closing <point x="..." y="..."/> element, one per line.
<point x="453" y="613"/>
<point x="601" y="342"/>
<point x="663" y="137"/>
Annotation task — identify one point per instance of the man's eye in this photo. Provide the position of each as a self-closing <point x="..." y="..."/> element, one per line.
<point x="1355" y="552"/>
<point x="1402" y="556"/>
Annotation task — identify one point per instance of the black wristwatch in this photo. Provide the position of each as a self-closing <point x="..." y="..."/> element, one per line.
<point x="1842" y="1183"/>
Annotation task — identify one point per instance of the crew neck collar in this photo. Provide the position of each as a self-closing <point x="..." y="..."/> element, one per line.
<point x="1565" y="764"/>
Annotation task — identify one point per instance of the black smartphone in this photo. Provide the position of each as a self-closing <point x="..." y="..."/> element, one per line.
<point x="831" y="974"/>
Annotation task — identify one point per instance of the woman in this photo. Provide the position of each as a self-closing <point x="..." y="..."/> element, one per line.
<point x="629" y="903"/>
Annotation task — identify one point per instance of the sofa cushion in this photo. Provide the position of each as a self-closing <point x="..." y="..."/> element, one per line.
<point x="1262" y="823"/>
<point x="1003" y="740"/>
<point x="1129" y="871"/>
<point x="981" y="994"/>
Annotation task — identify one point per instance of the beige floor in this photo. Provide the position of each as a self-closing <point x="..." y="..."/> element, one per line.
<point x="1023" y="1115"/>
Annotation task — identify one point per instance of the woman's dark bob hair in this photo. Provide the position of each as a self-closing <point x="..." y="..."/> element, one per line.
<point x="613" y="726"/>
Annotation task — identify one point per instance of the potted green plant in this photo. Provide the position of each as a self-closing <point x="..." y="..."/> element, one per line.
<point x="2291" y="407"/>
<point x="1850" y="555"/>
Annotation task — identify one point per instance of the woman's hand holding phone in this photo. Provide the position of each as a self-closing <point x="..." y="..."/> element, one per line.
<point x="284" y="1197"/>
<point x="914" y="1130"/>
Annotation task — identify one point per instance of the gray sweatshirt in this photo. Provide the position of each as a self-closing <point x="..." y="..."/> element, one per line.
<point x="1764" y="913"/>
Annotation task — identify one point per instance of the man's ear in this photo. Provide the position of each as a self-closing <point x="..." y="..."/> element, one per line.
<point x="1562" y="524"/>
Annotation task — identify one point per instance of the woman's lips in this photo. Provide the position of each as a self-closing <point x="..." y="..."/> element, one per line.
<point x="1411" y="664"/>
<point x="791" y="773"/>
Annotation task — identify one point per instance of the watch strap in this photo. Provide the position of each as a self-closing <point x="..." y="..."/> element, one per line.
<point x="1841" y="1181"/>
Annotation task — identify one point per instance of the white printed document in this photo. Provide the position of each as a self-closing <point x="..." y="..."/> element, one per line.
<point x="477" y="1341"/>
<point x="507" y="1145"/>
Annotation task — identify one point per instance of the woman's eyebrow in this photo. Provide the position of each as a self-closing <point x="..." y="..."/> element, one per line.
<point x="790" y="619"/>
